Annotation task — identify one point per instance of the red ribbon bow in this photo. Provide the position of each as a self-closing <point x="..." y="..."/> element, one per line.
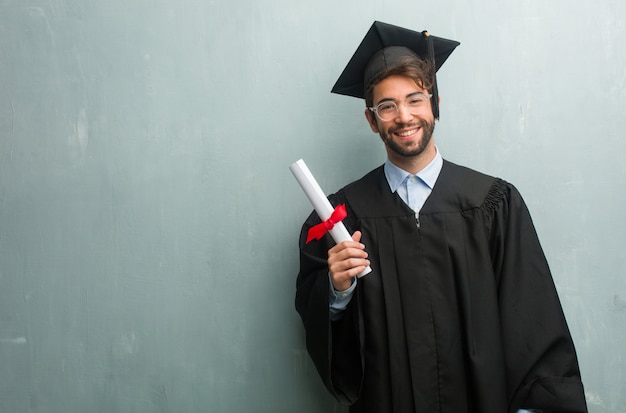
<point x="318" y="231"/>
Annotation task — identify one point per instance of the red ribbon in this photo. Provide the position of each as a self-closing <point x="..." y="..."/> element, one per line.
<point x="319" y="230"/>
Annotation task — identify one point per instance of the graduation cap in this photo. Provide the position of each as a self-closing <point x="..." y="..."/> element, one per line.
<point x="383" y="47"/>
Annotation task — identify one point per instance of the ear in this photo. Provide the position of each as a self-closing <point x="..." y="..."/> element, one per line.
<point x="371" y="119"/>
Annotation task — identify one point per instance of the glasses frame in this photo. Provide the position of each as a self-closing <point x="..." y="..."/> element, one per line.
<point x="374" y="109"/>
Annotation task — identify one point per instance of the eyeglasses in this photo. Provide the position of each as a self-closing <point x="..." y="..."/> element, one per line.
<point x="388" y="110"/>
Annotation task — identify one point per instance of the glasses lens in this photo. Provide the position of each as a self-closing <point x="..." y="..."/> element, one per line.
<point x="417" y="103"/>
<point x="387" y="110"/>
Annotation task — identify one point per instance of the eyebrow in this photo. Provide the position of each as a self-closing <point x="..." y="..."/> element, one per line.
<point x="383" y="100"/>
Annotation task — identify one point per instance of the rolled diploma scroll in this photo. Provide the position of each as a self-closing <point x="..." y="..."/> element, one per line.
<point x="321" y="204"/>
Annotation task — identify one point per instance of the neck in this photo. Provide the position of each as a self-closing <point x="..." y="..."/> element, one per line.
<point x="414" y="164"/>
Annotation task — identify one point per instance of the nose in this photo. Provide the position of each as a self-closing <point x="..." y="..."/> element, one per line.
<point x="404" y="115"/>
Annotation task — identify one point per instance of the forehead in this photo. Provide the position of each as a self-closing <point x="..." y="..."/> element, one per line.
<point x="396" y="88"/>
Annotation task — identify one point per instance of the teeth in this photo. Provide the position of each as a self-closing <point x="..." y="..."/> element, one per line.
<point x="407" y="133"/>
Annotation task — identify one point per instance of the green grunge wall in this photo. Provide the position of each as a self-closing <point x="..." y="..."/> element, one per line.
<point x="148" y="219"/>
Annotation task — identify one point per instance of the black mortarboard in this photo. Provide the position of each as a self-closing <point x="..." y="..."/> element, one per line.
<point x="382" y="47"/>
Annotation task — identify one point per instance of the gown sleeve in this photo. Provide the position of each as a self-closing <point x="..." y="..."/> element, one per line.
<point x="542" y="367"/>
<point x="332" y="345"/>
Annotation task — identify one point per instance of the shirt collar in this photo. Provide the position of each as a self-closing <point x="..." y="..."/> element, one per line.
<point x="396" y="176"/>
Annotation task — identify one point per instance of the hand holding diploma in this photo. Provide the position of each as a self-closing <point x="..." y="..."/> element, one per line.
<point x="331" y="218"/>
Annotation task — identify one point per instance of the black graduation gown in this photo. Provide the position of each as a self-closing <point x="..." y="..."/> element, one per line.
<point x="460" y="313"/>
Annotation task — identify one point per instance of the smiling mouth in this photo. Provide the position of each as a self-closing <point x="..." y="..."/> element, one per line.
<point x="407" y="133"/>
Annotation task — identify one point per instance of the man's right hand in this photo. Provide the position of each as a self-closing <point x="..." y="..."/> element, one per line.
<point x="346" y="260"/>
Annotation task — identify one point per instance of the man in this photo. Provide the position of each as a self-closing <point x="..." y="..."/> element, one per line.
<point x="460" y="313"/>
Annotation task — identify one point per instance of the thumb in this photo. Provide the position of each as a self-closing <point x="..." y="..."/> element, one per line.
<point x="356" y="236"/>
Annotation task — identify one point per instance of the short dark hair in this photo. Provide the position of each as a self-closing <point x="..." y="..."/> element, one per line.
<point x="422" y="71"/>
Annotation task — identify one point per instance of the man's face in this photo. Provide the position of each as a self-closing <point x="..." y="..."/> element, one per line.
<point x="407" y="135"/>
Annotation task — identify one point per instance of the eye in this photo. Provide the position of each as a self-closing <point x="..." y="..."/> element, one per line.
<point x="386" y="107"/>
<point x="417" y="100"/>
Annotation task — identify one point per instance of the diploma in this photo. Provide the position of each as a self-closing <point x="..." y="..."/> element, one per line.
<point x="321" y="204"/>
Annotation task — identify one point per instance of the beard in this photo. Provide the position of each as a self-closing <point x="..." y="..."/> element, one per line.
<point x="427" y="128"/>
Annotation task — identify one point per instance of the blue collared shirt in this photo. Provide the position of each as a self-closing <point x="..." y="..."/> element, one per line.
<point x="414" y="189"/>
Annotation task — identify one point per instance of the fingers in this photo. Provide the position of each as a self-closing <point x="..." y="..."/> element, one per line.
<point x="346" y="260"/>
